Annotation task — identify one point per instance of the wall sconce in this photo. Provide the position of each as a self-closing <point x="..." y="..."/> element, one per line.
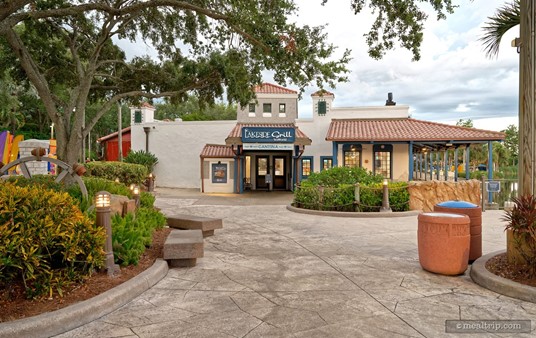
<point x="103" y="201"/>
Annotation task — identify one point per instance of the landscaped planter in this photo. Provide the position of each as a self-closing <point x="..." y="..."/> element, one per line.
<point x="443" y="242"/>
<point x="475" y="215"/>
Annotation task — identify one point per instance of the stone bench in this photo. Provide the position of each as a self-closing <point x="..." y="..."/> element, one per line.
<point x="189" y="222"/>
<point x="183" y="247"/>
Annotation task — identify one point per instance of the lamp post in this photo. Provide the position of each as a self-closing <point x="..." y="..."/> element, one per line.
<point x="385" y="203"/>
<point x="150" y="183"/>
<point x="102" y="205"/>
<point x="136" y="195"/>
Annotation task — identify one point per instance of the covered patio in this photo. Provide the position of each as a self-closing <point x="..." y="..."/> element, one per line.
<point x="432" y="148"/>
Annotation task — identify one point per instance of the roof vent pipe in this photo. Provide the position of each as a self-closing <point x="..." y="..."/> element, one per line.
<point x="389" y="101"/>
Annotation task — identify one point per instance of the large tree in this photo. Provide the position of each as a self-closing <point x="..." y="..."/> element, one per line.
<point x="68" y="50"/>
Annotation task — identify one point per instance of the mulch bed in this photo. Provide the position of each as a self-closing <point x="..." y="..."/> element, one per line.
<point x="14" y="305"/>
<point x="499" y="266"/>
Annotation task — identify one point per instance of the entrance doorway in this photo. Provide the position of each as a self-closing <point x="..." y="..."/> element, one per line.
<point x="261" y="173"/>
<point x="280" y="180"/>
<point x="268" y="171"/>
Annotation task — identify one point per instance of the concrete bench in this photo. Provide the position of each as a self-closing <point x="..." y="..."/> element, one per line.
<point x="182" y="248"/>
<point x="189" y="222"/>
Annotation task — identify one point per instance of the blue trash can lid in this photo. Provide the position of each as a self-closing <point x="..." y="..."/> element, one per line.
<point x="457" y="204"/>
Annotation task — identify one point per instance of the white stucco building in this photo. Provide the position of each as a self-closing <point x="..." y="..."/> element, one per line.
<point x="269" y="148"/>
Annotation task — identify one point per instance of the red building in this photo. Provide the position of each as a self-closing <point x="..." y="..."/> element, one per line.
<point x="110" y="144"/>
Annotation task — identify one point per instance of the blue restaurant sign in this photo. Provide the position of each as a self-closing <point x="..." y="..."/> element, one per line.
<point x="268" y="135"/>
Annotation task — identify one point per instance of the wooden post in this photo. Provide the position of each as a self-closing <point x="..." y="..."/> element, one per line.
<point x="527" y="112"/>
<point x="357" y="196"/>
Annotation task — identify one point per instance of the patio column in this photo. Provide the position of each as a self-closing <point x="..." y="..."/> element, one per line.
<point x="490" y="169"/>
<point x="446" y="164"/>
<point x="425" y="166"/>
<point x="467" y="152"/>
<point x="419" y="158"/>
<point x="335" y="153"/>
<point x="437" y="163"/>
<point x="411" y="161"/>
<point x="431" y="165"/>
<point x="456" y="164"/>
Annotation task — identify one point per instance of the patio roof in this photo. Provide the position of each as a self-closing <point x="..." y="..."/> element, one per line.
<point x="405" y="130"/>
<point x="216" y="151"/>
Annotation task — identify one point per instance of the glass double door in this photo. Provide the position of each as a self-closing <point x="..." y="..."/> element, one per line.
<point x="271" y="173"/>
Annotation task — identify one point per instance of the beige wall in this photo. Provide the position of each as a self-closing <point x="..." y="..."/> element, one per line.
<point x="400" y="162"/>
<point x="177" y="145"/>
<point x="291" y="106"/>
<point x="207" y="176"/>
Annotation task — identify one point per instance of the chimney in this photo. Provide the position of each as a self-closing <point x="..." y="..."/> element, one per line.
<point x="389" y="101"/>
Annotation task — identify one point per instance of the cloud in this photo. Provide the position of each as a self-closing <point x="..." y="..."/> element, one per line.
<point x="453" y="79"/>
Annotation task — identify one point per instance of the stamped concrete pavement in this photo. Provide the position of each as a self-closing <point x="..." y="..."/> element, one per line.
<point x="273" y="273"/>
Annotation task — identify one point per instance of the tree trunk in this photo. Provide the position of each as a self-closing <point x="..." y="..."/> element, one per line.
<point x="68" y="146"/>
<point x="527" y="120"/>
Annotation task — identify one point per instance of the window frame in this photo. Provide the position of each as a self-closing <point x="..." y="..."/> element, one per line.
<point x="138" y="116"/>
<point x="311" y="166"/>
<point x="250" y="106"/>
<point x="382" y="148"/>
<point x="266" y="105"/>
<point x="350" y="148"/>
<point x="322" y="107"/>
<point x="284" y="106"/>
<point x="322" y="159"/>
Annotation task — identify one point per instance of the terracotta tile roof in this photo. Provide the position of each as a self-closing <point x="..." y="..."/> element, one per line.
<point x="216" y="150"/>
<point x="237" y="130"/>
<point x="268" y="88"/>
<point x="112" y="135"/>
<point x="146" y="105"/>
<point x="405" y="130"/>
<point x="322" y="92"/>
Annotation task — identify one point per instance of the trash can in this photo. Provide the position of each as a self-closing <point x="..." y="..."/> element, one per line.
<point x="443" y="242"/>
<point x="475" y="215"/>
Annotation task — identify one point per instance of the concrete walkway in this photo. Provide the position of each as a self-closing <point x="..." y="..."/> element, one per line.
<point x="274" y="273"/>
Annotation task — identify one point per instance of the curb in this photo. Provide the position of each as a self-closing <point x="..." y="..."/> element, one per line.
<point x="490" y="281"/>
<point x="68" y="318"/>
<point x="354" y="214"/>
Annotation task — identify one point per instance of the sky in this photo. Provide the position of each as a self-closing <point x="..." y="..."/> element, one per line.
<point x="453" y="79"/>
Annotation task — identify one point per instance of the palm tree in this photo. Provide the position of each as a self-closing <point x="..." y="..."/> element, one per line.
<point x="504" y="19"/>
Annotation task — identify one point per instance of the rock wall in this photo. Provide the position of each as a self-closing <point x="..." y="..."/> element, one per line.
<point x="424" y="195"/>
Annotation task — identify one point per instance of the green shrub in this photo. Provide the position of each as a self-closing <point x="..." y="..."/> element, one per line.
<point x="127" y="173"/>
<point x="336" y="176"/>
<point x="338" y="199"/>
<point x="147" y="199"/>
<point x="132" y="234"/>
<point x="44" y="181"/>
<point x="342" y="198"/>
<point x="142" y="157"/>
<point x="307" y="197"/>
<point x="371" y="196"/>
<point x="45" y="240"/>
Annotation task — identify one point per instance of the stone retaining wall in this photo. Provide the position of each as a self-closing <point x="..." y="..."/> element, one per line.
<point x="424" y="195"/>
